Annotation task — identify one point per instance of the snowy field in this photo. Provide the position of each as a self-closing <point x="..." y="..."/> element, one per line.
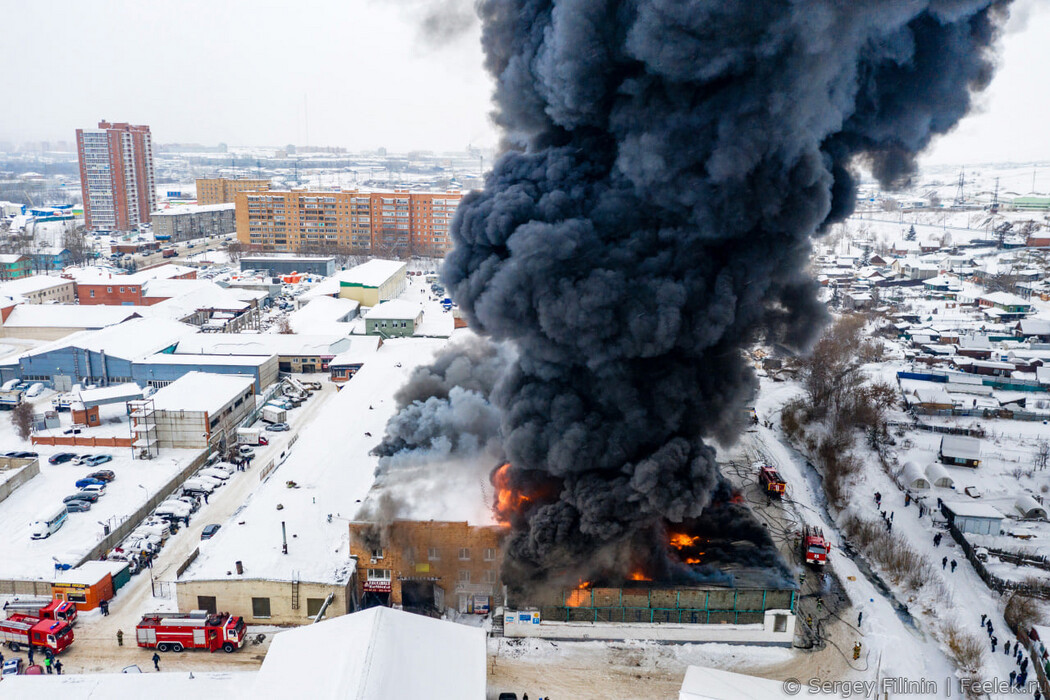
<point x="24" y="558"/>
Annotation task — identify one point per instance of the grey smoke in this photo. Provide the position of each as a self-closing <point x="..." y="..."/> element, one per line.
<point x="674" y="159"/>
<point x="440" y="22"/>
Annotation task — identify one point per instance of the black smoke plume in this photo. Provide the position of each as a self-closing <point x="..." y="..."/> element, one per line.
<point x="670" y="161"/>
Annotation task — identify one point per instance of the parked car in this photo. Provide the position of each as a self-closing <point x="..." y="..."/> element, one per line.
<point x="33" y="670"/>
<point x="89" y="496"/>
<point x="246" y="451"/>
<point x="78" y="505"/>
<point x="278" y="427"/>
<point x="209" y="531"/>
<point x="19" y="454"/>
<point x="12" y="667"/>
<point x="96" y="460"/>
<point x="78" y="461"/>
<point x="215" y="473"/>
<point x="61" y="458"/>
<point x="35" y="389"/>
<point x="88" y="481"/>
<point x="103" y="475"/>
<point x="100" y="489"/>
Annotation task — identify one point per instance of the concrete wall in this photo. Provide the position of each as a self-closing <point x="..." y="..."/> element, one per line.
<point x="37" y="332"/>
<point x="15" y="472"/>
<point x="721" y="633"/>
<point x="182" y="429"/>
<point x="235" y="597"/>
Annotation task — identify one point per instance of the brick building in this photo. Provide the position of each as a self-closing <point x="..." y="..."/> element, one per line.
<point x="221" y="190"/>
<point x="388" y="223"/>
<point x="116" y="175"/>
<point x="96" y="286"/>
<point x="428" y="565"/>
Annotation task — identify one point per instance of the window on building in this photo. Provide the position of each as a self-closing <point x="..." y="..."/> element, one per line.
<point x="490" y="576"/>
<point x="76" y="598"/>
<point x="780" y="623"/>
<point x="206" y="602"/>
<point x="433" y="554"/>
<point x="92" y="292"/>
<point x="313" y="606"/>
<point x="377" y="553"/>
<point x="410" y="554"/>
<point x="121" y="290"/>
<point x="109" y="290"/>
<point x="464" y="575"/>
<point x="464" y="554"/>
<point x="260" y="607"/>
<point x="378" y="574"/>
<point x="490" y="554"/>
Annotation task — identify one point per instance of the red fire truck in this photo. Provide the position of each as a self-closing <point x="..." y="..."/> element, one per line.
<point x="815" y="548"/>
<point x="24" y="631"/>
<point x="44" y="608"/>
<point x="197" y="629"/>
<point x="772" y="483"/>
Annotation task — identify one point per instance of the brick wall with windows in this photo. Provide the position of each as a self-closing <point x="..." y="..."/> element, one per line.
<point x="463" y="559"/>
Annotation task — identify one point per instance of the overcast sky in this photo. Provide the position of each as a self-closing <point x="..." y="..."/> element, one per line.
<point x="353" y="73"/>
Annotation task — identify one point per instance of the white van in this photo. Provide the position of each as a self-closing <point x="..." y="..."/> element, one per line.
<point x="35" y="390"/>
<point x="10" y="384"/>
<point x="49" y="523"/>
<point x="197" y="486"/>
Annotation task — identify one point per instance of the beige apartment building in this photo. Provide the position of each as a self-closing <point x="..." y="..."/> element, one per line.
<point x="381" y="223"/>
<point x="221" y="190"/>
<point x="40" y="289"/>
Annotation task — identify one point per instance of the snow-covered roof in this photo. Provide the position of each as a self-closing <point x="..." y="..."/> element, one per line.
<point x="210" y="297"/>
<point x="372" y="273"/>
<point x="1029" y="326"/>
<point x="322" y="310"/>
<point x="98" y="275"/>
<point x="381" y="653"/>
<point x="966" y="509"/>
<point x="914" y="478"/>
<point x="168" y="288"/>
<point x="165" y="358"/>
<point x="107" y="394"/>
<point x="1006" y="299"/>
<point x="398" y="309"/>
<point x="961" y="447"/>
<point x="28" y="285"/>
<point x="701" y="683"/>
<point x="202" y="391"/>
<point x="193" y="209"/>
<point x="90" y="572"/>
<point x="262" y="344"/>
<point x="69" y="316"/>
<point x="132" y="339"/>
<point x="362" y="348"/>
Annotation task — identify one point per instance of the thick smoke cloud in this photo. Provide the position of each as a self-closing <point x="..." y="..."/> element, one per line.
<point x="670" y="161"/>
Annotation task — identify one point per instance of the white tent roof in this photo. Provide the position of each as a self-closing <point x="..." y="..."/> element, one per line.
<point x="702" y="683"/>
<point x="938" y="475"/>
<point x="914" y="478"/>
<point x="380" y="653"/>
<point x="1030" y="508"/>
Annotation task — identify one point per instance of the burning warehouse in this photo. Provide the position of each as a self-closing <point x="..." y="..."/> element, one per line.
<point x="428" y="566"/>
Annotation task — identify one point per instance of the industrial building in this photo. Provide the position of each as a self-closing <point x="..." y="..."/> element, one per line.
<point x="194" y="411"/>
<point x="399" y="223"/>
<point x="40" y="289"/>
<point x="428" y="566"/>
<point x="164" y="368"/>
<point x="373" y="282"/>
<point x="295" y="353"/>
<point x="14" y="266"/>
<point x="100" y="357"/>
<point x="345" y="365"/>
<point x="221" y="190"/>
<point x="188" y="221"/>
<point x="744" y="614"/>
<point x="275" y="266"/>
<point x="116" y="176"/>
<point x="56" y="321"/>
<point x="393" y="319"/>
<point x="97" y="286"/>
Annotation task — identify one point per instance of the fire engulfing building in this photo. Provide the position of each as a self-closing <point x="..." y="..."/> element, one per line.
<point x="428" y="566"/>
<point x="743" y="614"/>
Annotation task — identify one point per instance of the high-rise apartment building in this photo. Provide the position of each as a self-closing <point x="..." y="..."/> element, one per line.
<point x="220" y="190"/>
<point x="116" y="175"/>
<point x="382" y="223"/>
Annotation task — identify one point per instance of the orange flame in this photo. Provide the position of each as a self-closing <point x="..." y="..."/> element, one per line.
<point x="639" y="575"/>
<point x="507" y="499"/>
<point x="680" y="540"/>
<point x="580" y="596"/>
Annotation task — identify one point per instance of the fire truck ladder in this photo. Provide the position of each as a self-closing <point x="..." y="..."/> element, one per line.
<point x="295" y="590"/>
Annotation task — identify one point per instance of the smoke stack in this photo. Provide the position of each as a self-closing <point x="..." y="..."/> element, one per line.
<point x="284" y="539"/>
<point x="240" y="567"/>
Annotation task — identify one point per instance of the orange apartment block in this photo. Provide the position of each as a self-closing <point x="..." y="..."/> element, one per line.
<point x="221" y="190"/>
<point x="428" y="566"/>
<point x="382" y="223"/>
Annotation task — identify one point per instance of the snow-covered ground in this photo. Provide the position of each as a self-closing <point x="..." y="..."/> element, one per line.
<point x="24" y="558"/>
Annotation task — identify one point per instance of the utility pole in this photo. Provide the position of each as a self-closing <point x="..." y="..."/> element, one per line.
<point x="995" y="198"/>
<point x="959" y="199"/>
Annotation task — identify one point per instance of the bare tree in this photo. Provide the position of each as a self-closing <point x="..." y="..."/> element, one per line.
<point x="284" y="327"/>
<point x="75" y="242"/>
<point x="22" y="419"/>
<point x="1042" y="454"/>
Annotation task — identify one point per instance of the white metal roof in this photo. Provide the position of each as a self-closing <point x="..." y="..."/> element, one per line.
<point x="202" y="391"/>
<point x="398" y="309"/>
<point x="702" y="683"/>
<point x="967" y="509"/>
<point x="372" y="273"/>
<point x="69" y="316"/>
<point x="28" y="285"/>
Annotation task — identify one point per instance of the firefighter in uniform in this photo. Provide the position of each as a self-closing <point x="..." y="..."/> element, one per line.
<point x="856" y="651"/>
